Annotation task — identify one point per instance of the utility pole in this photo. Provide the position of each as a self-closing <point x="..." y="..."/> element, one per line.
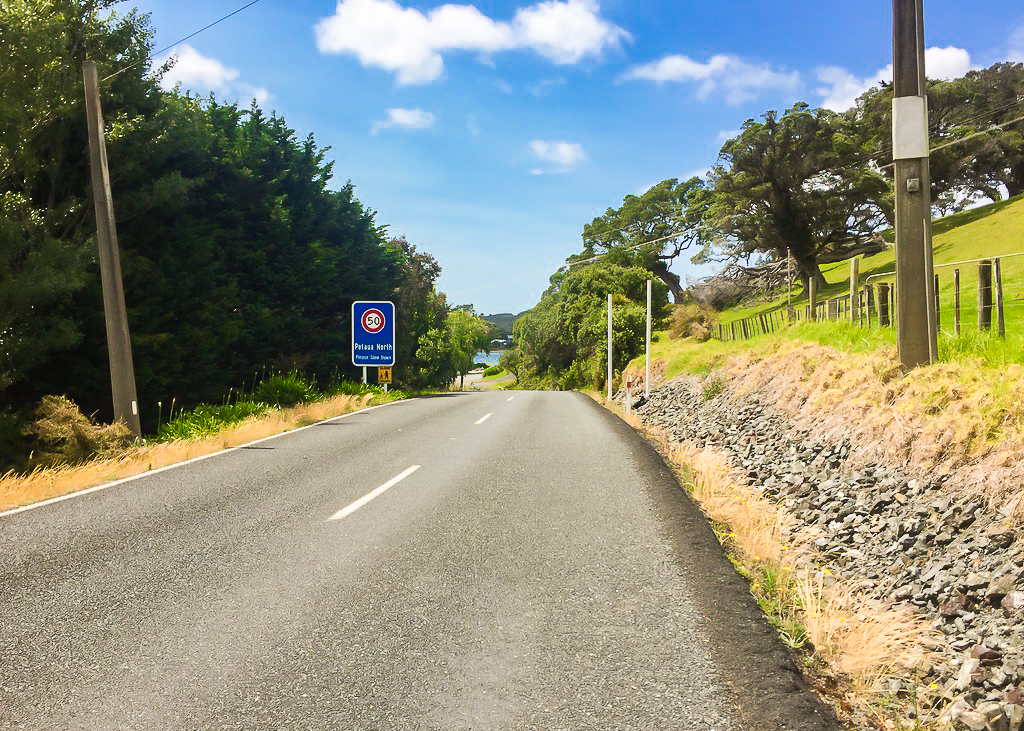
<point x="915" y="305"/>
<point x="119" y="344"/>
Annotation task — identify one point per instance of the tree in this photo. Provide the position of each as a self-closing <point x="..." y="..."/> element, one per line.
<point x="468" y="335"/>
<point x="669" y="214"/>
<point x="1000" y="89"/>
<point x="561" y="340"/>
<point x="47" y="249"/>
<point x="787" y="184"/>
<point x="420" y="309"/>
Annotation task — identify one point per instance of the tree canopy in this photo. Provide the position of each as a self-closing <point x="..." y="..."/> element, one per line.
<point x="239" y="249"/>
<point x="786" y="185"/>
<point x="668" y="215"/>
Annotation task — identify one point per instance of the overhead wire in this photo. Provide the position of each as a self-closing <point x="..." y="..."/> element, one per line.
<point x="186" y="38"/>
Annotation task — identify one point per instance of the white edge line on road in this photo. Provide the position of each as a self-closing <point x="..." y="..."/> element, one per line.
<point x="510" y="398"/>
<point x="115" y="483"/>
<point x="484" y="418"/>
<point x="349" y="509"/>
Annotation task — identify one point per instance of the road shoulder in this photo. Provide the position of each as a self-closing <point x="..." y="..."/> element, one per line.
<point x="770" y="691"/>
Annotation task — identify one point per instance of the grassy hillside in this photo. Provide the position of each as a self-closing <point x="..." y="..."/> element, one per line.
<point x="996" y="230"/>
<point x="990" y="231"/>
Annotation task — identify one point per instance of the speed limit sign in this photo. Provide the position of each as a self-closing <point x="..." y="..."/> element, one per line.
<point x="373" y="334"/>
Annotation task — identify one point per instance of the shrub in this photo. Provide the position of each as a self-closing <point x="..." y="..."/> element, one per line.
<point x="285" y="390"/>
<point x="690" y="321"/>
<point x="493" y="371"/>
<point x="713" y="387"/>
<point x="63" y="434"/>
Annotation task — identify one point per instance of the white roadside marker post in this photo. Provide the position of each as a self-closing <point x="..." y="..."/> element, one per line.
<point x="609" y="348"/>
<point x="647" y="372"/>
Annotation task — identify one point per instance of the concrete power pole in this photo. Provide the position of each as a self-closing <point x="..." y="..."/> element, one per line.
<point x="119" y="345"/>
<point x="915" y="300"/>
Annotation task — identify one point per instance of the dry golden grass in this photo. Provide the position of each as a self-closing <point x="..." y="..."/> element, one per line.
<point x="860" y="638"/>
<point x="17" y="490"/>
<point x="959" y="420"/>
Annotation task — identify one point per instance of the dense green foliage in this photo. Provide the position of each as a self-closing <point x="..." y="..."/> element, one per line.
<point x="785" y="184"/>
<point x="562" y="342"/>
<point x="668" y="215"/>
<point x="238" y="252"/>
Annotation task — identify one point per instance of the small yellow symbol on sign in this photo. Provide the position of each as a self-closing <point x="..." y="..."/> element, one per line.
<point x="384" y="374"/>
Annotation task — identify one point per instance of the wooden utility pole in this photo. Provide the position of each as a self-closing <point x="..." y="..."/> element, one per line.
<point x="915" y="306"/>
<point x="119" y="344"/>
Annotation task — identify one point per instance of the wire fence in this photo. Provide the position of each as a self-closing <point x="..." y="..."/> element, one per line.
<point x="968" y="296"/>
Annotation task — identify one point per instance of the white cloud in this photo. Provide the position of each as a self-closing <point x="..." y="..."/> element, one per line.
<point x="565" y="32"/>
<point x="407" y="119"/>
<point x="407" y="42"/>
<point x="841" y="88"/>
<point x="739" y="80"/>
<point x="565" y="154"/>
<point x="192" y="68"/>
<point x="195" y="71"/>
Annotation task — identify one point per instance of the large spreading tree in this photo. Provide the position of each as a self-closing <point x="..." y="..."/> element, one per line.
<point x="656" y="226"/>
<point x="787" y="185"/>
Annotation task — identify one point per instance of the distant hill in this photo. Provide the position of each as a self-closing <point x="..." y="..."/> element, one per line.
<point x="503" y="321"/>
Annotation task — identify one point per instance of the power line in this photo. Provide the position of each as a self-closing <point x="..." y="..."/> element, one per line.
<point x="186" y="38"/>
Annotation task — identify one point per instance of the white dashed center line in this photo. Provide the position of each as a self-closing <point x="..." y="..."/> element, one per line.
<point x="484" y="418"/>
<point x="348" y="510"/>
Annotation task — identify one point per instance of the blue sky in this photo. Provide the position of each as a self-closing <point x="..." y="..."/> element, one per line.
<point x="489" y="132"/>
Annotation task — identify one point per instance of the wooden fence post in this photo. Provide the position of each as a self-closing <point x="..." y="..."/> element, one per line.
<point x="832" y="311"/>
<point x="854" y="289"/>
<point x="997" y="270"/>
<point x="985" y="294"/>
<point x="869" y="301"/>
<point x="743" y="325"/>
<point x="733" y="325"/>
<point x="883" y="304"/>
<point x="812" y="301"/>
<point x="956" y="301"/>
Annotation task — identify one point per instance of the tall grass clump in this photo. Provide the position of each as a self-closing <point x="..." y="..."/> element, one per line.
<point x="206" y="420"/>
<point x="285" y="389"/>
<point x="62" y="434"/>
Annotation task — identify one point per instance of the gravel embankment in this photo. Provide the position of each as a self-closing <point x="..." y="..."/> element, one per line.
<point x="909" y="539"/>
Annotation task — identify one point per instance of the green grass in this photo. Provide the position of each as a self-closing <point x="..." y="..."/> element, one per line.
<point x="987" y="232"/>
<point x="206" y="420"/>
<point x="494" y="375"/>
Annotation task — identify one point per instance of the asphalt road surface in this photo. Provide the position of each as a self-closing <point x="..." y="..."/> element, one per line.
<point x="468" y="561"/>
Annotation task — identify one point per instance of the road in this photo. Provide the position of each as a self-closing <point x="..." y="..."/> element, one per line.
<point x="468" y="561"/>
